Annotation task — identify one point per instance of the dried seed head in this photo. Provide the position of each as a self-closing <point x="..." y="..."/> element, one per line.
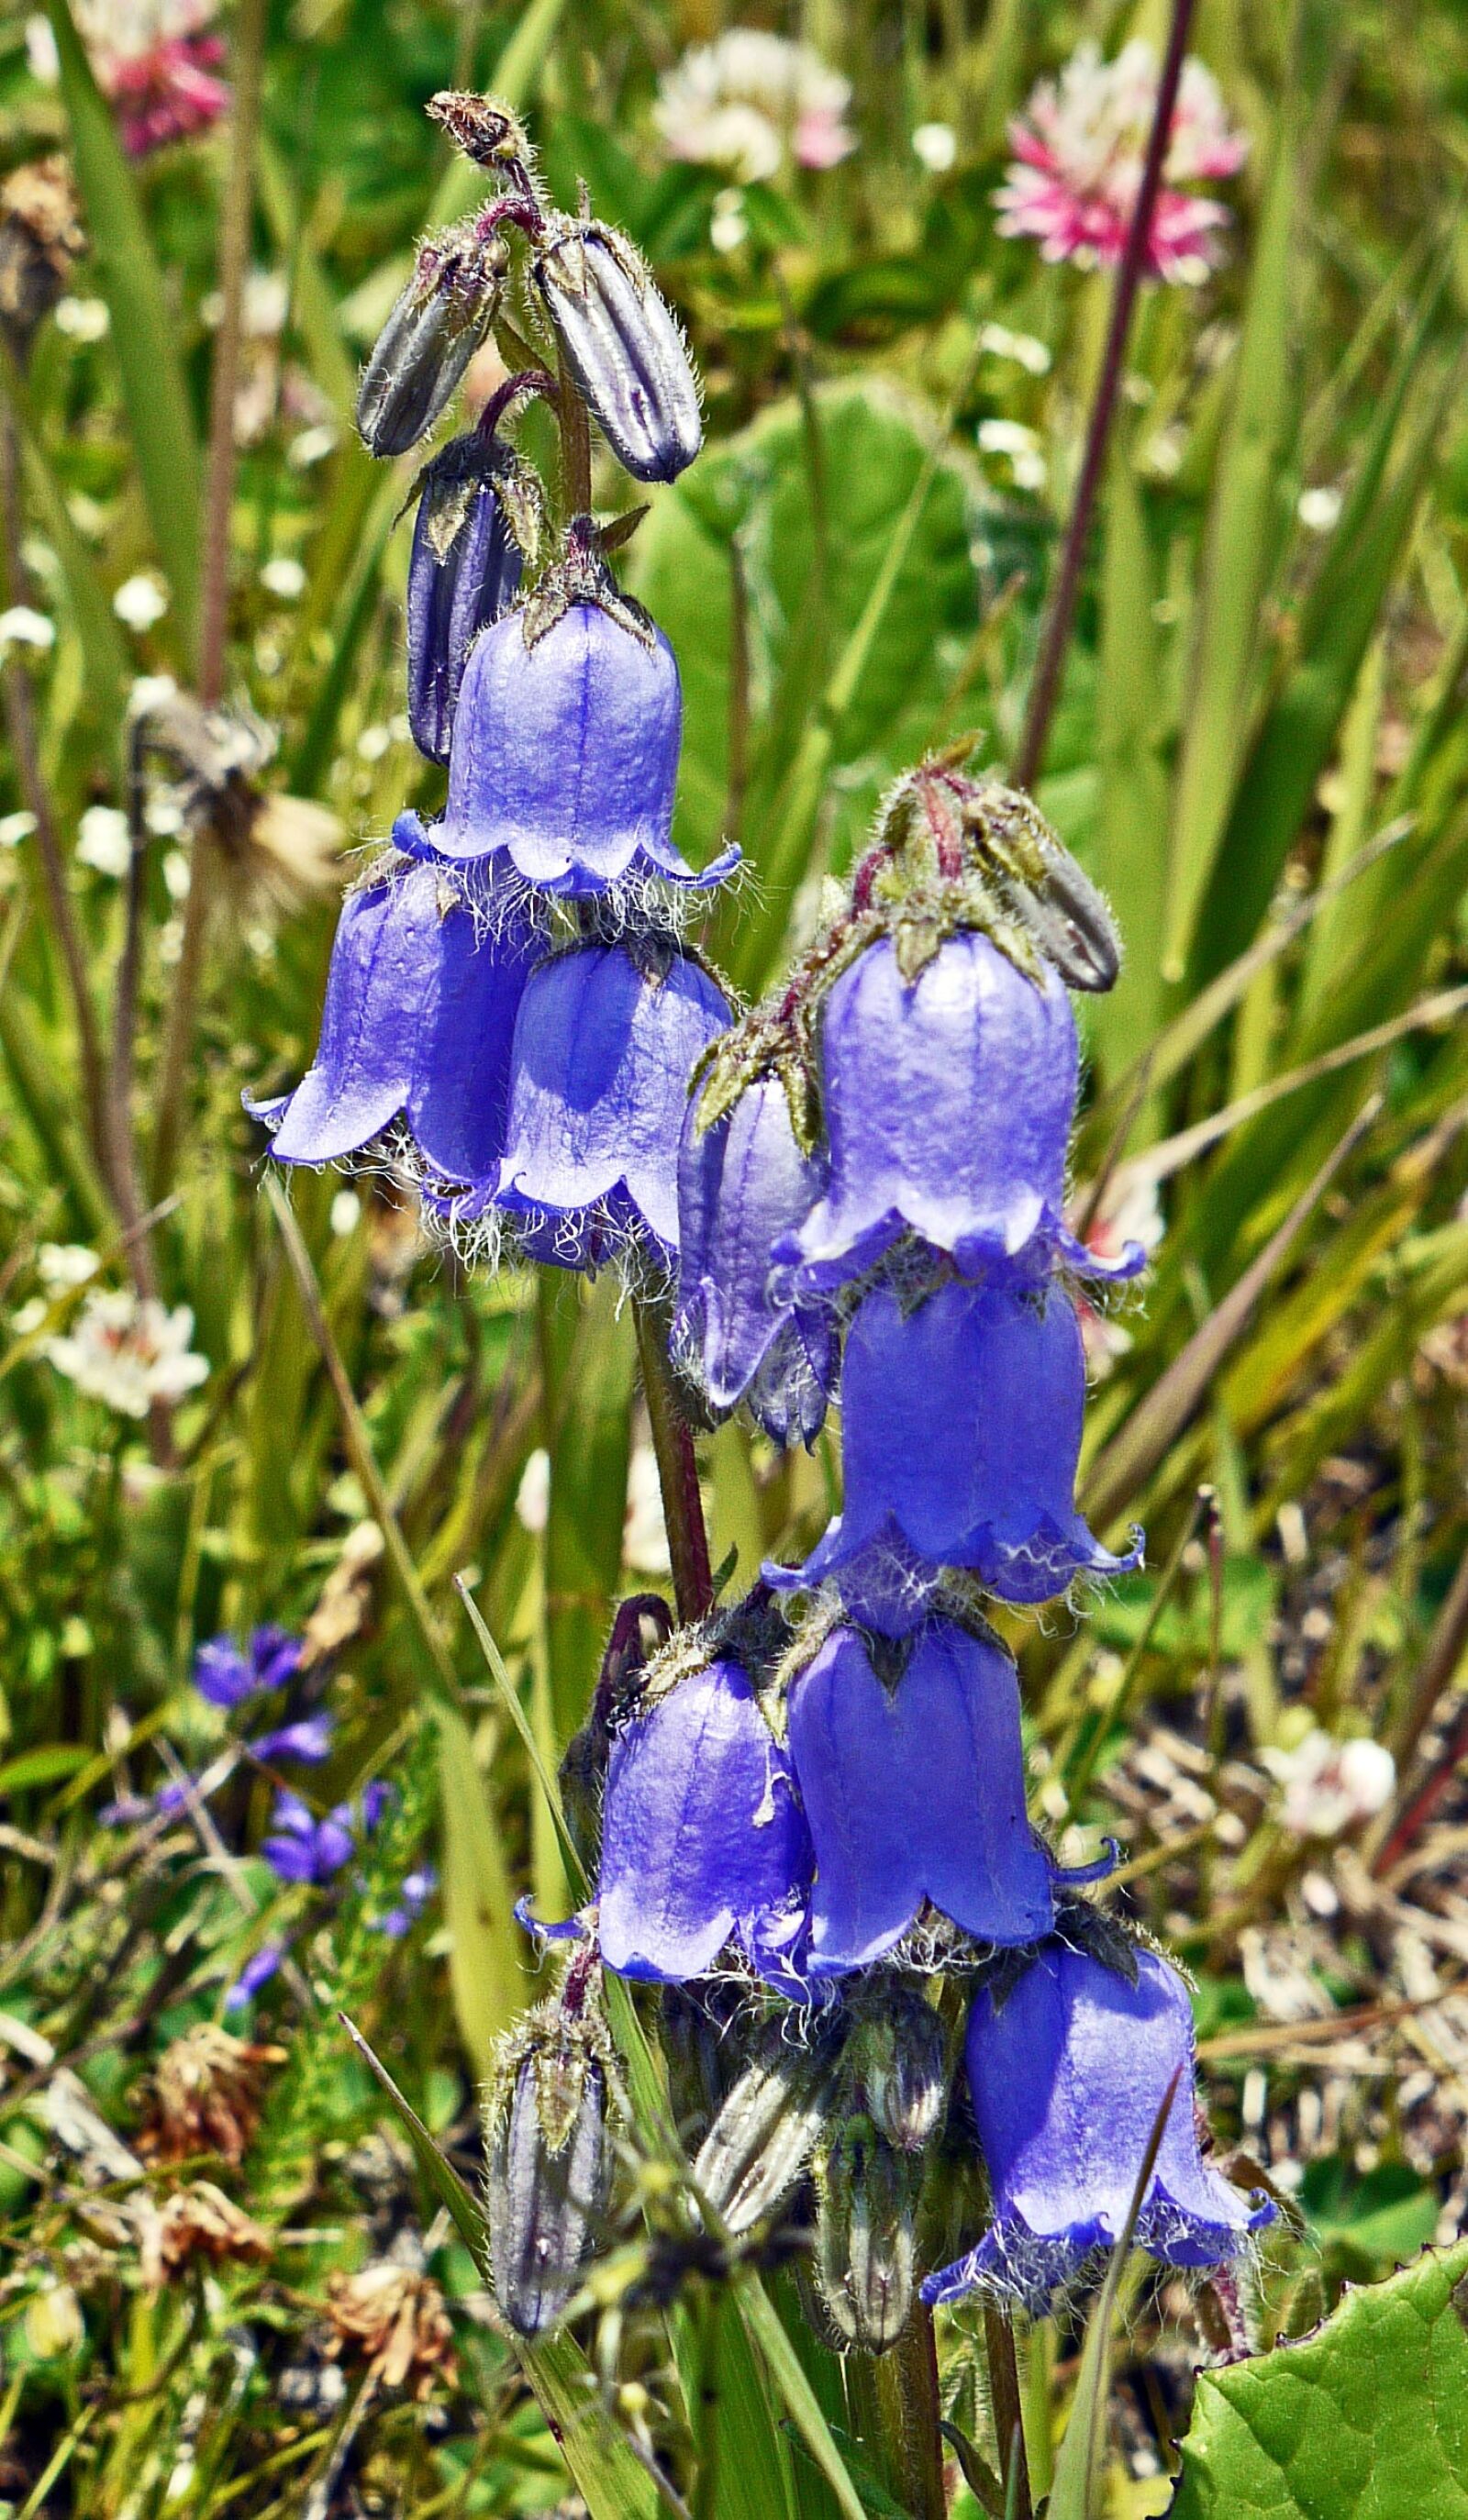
<point x="40" y="236"/>
<point x="197" y="2222"/>
<point x="396" y="2318"/>
<point x="206" y="2095"/>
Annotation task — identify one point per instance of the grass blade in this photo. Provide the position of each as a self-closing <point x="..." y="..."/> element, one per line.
<point x="159" y="420"/>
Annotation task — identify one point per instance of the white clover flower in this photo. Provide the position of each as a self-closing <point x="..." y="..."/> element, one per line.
<point x="130" y="1351"/>
<point x="103" y="840"/>
<point x="284" y="578"/>
<point x="728" y="223"/>
<point x="140" y="601"/>
<point x="22" y="626"/>
<point x="934" y="145"/>
<point x="750" y="101"/>
<point x="61" y="1266"/>
<point x="82" y="319"/>
<point x="533" y="1496"/>
<point x="644" y="1542"/>
<point x="1331" y="1786"/>
<point x="1320" y="509"/>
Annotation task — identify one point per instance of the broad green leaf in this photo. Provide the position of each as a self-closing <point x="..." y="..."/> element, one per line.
<point x="42" y="1765"/>
<point x="142" y="328"/>
<point x="1366" y="2226"/>
<point x="1365" y="2421"/>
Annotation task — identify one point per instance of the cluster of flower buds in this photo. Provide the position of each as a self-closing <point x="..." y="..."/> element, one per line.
<point x="511" y="1015"/>
<point x="827" y="1809"/>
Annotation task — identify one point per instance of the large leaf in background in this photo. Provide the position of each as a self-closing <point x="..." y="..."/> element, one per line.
<point x="142" y="331"/>
<point x="757" y="486"/>
<point x="1366" y="2420"/>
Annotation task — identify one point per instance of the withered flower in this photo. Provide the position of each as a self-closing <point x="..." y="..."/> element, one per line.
<point x="40" y="238"/>
<point x="196" y="2222"/>
<point x="205" y="2096"/>
<point x="269" y="848"/>
<point x="397" y="2320"/>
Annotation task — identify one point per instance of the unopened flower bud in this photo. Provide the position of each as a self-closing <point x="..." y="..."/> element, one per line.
<point x="478" y="519"/>
<point x="429" y="338"/>
<point x="866" y="2197"/>
<point x="896" y="2071"/>
<point x="623" y="347"/>
<point x="764" y="2134"/>
<point x="549" y="2168"/>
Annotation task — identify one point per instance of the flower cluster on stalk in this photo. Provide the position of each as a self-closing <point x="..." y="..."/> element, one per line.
<point x="803" y="1815"/>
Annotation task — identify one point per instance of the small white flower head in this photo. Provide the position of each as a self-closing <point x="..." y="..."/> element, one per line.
<point x="311" y="446"/>
<point x="1022" y="348"/>
<point x="1330" y="1786"/>
<point x="346" y="1212"/>
<point x="749" y="102"/>
<point x="934" y="145"/>
<point x="728" y="223"/>
<point x="644" y="1544"/>
<point x="61" y="1266"/>
<point x="533" y="1496"/>
<point x="130" y="1351"/>
<point x="103" y="840"/>
<point x="82" y="319"/>
<point x="141" y="601"/>
<point x="16" y="828"/>
<point x="22" y="626"/>
<point x="263" y="305"/>
<point x="1319" y="509"/>
<point x="177" y="874"/>
<point x="284" y="578"/>
<point x="1027" y="457"/>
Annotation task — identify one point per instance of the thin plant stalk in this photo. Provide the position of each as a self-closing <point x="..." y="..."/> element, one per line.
<point x="677" y="1470"/>
<point x="1008" y="2410"/>
<point x="218" y="497"/>
<point x="1044" y="689"/>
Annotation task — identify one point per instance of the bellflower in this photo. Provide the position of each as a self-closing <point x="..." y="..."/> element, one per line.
<point x="303" y="1849"/>
<point x="743" y="1184"/>
<point x="961" y="1425"/>
<point x="420" y="1005"/>
<point x="477" y="513"/>
<point x="604" y="1047"/>
<point x="564" y="757"/>
<point x="1068" y="2074"/>
<point x="308" y="1739"/>
<point x="622" y="344"/>
<point x="703" y="1839"/>
<point x="914" y="1794"/>
<point x="948" y="1100"/>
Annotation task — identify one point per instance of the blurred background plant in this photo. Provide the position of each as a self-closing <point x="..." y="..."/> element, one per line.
<point x="229" y="2284"/>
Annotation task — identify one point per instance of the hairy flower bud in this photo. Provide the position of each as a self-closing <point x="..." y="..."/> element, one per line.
<point x="623" y="346"/>
<point x="896" y="2069"/>
<point x="549" y="2160"/>
<point x="764" y="2134"/>
<point x="429" y="338"/>
<point x="478" y="520"/>
<point x="866" y="2197"/>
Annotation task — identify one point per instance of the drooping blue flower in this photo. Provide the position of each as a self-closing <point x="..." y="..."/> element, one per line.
<point x="420" y="1006"/>
<point x="743" y="1186"/>
<point x="1068" y="2074"/>
<point x="464" y="571"/>
<point x="914" y="1794"/>
<point x="702" y="1840"/>
<point x="308" y="1739"/>
<point x="948" y="1102"/>
<point x="564" y="757"/>
<point x="227" y="1673"/>
<point x="303" y="1849"/>
<point x="961" y="1424"/>
<point x="604" y="1048"/>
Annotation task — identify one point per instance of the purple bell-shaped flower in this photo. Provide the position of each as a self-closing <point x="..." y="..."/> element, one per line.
<point x="703" y="1839"/>
<point x="604" y="1048"/>
<point x="948" y="1101"/>
<point x="564" y="757"/>
<point x="421" y="1000"/>
<point x="742" y="1185"/>
<point x="914" y="1795"/>
<point x="960" y="1435"/>
<point x="1068" y="2073"/>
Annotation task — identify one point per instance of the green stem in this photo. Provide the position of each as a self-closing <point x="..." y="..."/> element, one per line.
<point x="677" y="1468"/>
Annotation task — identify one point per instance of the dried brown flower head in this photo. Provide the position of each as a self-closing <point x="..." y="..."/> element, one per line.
<point x="396" y="2318"/>
<point x="197" y="2222"/>
<point x="40" y="236"/>
<point x="205" y="2096"/>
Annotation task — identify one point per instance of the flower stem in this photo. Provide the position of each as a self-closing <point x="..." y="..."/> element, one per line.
<point x="1009" y="2422"/>
<point x="677" y="1468"/>
<point x="1044" y="689"/>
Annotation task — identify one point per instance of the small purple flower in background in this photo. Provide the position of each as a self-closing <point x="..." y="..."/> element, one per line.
<point x="308" y="1740"/>
<point x="303" y="1849"/>
<point x="258" y="1972"/>
<point x="1080" y="149"/>
<point x="227" y="1673"/>
<point x="414" y="1892"/>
